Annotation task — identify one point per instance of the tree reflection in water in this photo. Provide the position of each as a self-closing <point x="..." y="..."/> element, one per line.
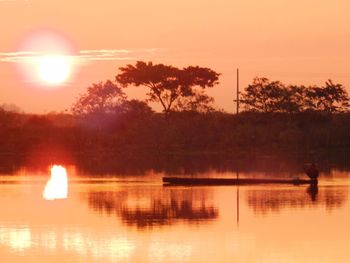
<point x="274" y="200"/>
<point x="148" y="208"/>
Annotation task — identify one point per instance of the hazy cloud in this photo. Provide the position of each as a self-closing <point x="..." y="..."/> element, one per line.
<point x="83" y="55"/>
<point x="20" y="56"/>
<point x="116" y="54"/>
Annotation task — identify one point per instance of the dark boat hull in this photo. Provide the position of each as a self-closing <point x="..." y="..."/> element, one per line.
<point x="232" y="181"/>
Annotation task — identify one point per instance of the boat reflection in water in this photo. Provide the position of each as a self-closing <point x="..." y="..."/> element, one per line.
<point x="57" y="185"/>
<point x="264" y="201"/>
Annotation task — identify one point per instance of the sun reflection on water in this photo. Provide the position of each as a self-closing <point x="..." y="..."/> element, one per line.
<point x="57" y="186"/>
<point x="18" y="239"/>
<point x="21" y="239"/>
<point x="108" y="248"/>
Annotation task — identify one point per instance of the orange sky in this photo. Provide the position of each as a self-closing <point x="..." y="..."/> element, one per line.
<point x="295" y="41"/>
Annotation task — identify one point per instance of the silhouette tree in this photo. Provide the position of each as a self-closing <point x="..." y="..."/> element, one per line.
<point x="168" y="84"/>
<point x="136" y="107"/>
<point x="9" y="107"/>
<point x="199" y="102"/>
<point x="329" y="98"/>
<point x="9" y="118"/>
<point x="292" y="100"/>
<point x="264" y="95"/>
<point x="100" y="98"/>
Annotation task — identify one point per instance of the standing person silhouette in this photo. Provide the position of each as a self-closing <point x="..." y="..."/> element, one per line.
<point x="312" y="172"/>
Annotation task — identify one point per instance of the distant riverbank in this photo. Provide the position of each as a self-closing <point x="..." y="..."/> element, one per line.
<point x="215" y="139"/>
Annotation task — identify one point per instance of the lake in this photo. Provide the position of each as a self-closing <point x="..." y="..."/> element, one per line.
<point x="134" y="218"/>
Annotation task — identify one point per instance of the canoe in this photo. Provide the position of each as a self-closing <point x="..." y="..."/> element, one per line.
<point x="233" y="181"/>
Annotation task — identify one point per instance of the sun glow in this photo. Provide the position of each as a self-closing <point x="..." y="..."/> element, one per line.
<point x="47" y="58"/>
<point x="53" y="69"/>
<point x="57" y="186"/>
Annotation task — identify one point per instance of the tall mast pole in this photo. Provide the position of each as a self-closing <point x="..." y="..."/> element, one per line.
<point x="237" y="173"/>
<point x="237" y="99"/>
<point x="237" y="199"/>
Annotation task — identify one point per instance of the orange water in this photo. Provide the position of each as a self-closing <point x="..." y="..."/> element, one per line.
<point x="124" y="219"/>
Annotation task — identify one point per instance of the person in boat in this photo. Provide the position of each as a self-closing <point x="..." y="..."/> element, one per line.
<point x="312" y="171"/>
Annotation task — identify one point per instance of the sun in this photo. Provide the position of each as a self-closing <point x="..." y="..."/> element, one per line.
<point x="53" y="69"/>
<point x="48" y="58"/>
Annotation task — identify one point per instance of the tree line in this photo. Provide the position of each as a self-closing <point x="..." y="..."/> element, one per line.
<point x="104" y="123"/>
<point x="268" y="96"/>
<point x="179" y="90"/>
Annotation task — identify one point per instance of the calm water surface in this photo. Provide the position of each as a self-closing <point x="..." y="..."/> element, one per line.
<point x="137" y="219"/>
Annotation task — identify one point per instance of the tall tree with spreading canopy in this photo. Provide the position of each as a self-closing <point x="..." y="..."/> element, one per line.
<point x="167" y="84"/>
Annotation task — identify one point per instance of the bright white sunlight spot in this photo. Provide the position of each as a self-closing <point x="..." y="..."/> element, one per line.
<point x="53" y="69"/>
<point x="57" y="186"/>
